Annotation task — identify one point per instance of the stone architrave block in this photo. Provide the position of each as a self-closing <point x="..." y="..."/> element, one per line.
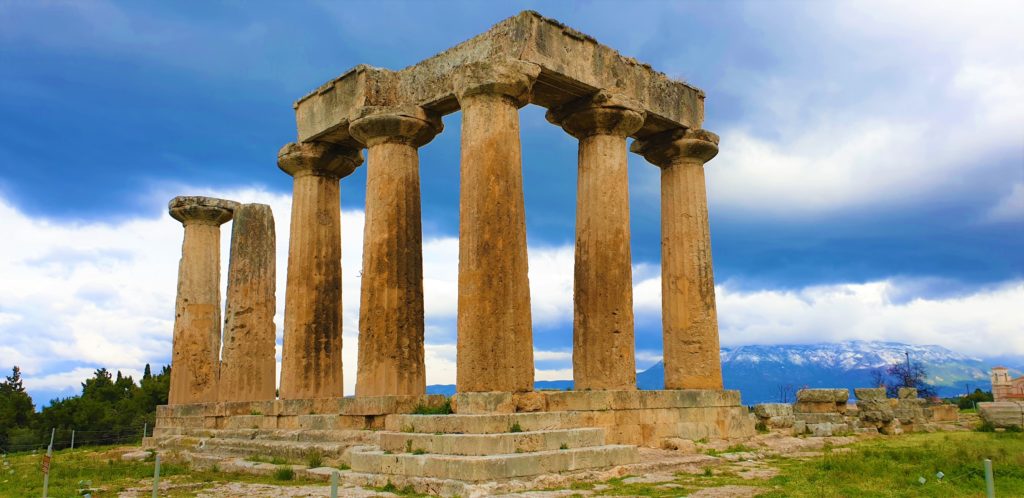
<point x="819" y="407"/>
<point x="945" y="413"/>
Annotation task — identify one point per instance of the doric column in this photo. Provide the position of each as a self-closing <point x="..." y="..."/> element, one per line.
<point x="247" y="368"/>
<point x="391" y="302"/>
<point x="495" y="343"/>
<point x="603" y="345"/>
<point x="311" y="357"/>
<point x="195" y="357"/>
<point x="689" y="319"/>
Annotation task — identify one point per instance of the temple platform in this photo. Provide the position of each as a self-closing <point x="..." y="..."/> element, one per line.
<point x="489" y="437"/>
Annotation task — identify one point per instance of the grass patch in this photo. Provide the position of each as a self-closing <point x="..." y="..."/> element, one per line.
<point x="315" y="459"/>
<point x="344" y="466"/>
<point x="442" y="409"/>
<point x="275" y="460"/>
<point x="563" y="446"/>
<point x="284" y="473"/>
<point x="102" y="467"/>
<point x="419" y="451"/>
<point x="891" y="467"/>
<point x="515" y="427"/>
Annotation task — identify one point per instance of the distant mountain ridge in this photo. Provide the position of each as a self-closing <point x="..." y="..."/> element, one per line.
<point x="757" y="371"/>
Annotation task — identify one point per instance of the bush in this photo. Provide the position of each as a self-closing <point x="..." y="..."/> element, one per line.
<point x="315" y="459"/>
<point x="443" y="409"/>
<point x="284" y="473"/>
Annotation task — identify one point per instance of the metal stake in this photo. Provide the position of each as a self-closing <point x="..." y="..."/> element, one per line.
<point x="334" y="484"/>
<point x="49" y="454"/>
<point x="156" y="476"/>
<point x="990" y="483"/>
<point x="72" y="439"/>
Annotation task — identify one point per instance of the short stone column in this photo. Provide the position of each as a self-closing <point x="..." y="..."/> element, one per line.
<point x="195" y="356"/>
<point x="495" y="343"/>
<point x="603" y="344"/>
<point x="247" y="366"/>
<point x="689" y="319"/>
<point x="391" y="299"/>
<point x="311" y="357"/>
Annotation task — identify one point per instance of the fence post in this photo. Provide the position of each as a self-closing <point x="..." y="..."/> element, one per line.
<point x="72" y="439"/>
<point x="334" y="484"/>
<point x="144" y="427"/>
<point x="990" y="485"/>
<point x="156" y="476"/>
<point x="46" y="464"/>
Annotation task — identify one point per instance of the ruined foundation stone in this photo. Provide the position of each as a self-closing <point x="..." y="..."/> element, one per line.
<point x="196" y="349"/>
<point x="248" y="366"/>
<point x="311" y="356"/>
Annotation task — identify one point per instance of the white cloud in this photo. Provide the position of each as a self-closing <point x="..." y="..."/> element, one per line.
<point x="971" y="323"/>
<point x="1010" y="208"/>
<point x="894" y="104"/>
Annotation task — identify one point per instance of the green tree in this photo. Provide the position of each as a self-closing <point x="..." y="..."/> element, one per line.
<point x="16" y="408"/>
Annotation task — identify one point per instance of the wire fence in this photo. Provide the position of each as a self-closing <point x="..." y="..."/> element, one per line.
<point x="73" y="438"/>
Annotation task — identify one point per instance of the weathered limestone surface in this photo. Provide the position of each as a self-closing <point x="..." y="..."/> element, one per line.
<point x="823" y="395"/>
<point x="944" y="413"/>
<point x="869" y="393"/>
<point x="391" y="306"/>
<point x="196" y="348"/>
<point x="1003" y="414"/>
<point x="689" y="316"/>
<point x="311" y="357"/>
<point x="495" y="344"/>
<point x="248" y="367"/>
<point x="603" y="346"/>
<point x="571" y="65"/>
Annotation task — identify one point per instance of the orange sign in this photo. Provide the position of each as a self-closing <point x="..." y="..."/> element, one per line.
<point x="46" y="464"/>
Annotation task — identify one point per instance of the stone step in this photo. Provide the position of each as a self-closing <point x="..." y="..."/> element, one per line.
<point x="289" y="450"/>
<point x="490" y="467"/>
<point x="478" y="424"/>
<point x="490" y="444"/>
<point x="266" y="434"/>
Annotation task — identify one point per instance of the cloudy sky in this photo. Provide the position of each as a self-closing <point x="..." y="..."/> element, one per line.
<point x="870" y="183"/>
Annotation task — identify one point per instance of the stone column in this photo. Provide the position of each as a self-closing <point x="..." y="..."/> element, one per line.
<point x="495" y="343"/>
<point x="247" y="368"/>
<point x="391" y="305"/>
<point x="195" y="357"/>
<point x="603" y="345"/>
<point x="311" y="357"/>
<point x="689" y="319"/>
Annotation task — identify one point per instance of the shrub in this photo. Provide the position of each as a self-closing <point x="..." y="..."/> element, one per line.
<point x="986" y="427"/>
<point x="443" y="409"/>
<point x="315" y="459"/>
<point x="284" y="473"/>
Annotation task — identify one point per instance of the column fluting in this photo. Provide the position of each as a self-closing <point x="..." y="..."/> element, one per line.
<point x="248" y="366"/>
<point x="495" y="342"/>
<point x="311" y="357"/>
<point x="603" y="337"/>
<point x="195" y="356"/>
<point x="689" y="318"/>
<point x="391" y="300"/>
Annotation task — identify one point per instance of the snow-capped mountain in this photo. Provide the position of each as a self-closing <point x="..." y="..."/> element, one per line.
<point x="758" y="371"/>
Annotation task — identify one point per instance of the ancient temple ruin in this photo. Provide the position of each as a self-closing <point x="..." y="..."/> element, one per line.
<point x="592" y="93"/>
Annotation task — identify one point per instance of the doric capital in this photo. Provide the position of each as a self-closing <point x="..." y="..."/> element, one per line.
<point x="373" y="125"/>
<point x="674" y="146"/>
<point x="190" y="209"/>
<point x="507" y="77"/>
<point x="601" y="114"/>
<point x="318" y="159"/>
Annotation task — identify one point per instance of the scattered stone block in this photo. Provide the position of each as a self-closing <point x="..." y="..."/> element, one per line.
<point x="1003" y="414"/>
<point x="679" y="444"/>
<point x="944" y="413"/>
<point x="820" y="430"/>
<point x="799" y="427"/>
<point x="768" y="410"/>
<point x="907" y="393"/>
<point x="823" y="395"/>
<point x="869" y="393"/>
